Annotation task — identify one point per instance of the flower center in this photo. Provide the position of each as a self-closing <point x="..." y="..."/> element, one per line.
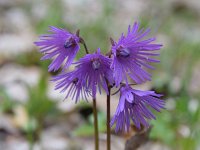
<point x="123" y="52"/>
<point x="96" y="64"/>
<point x="75" y="81"/>
<point x="69" y="43"/>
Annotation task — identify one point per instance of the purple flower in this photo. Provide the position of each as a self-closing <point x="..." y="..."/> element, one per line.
<point x="72" y="83"/>
<point x="61" y="45"/>
<point x="133" y="105"/>
<point x="90" y="74"/>
<point x="131" y="54"/>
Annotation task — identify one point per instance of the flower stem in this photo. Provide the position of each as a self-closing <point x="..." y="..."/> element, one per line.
<point x="95" y="125"/>
<point x="108" y="119"/>
<point x="85" y="46"/>
<point x="96" y="131"/>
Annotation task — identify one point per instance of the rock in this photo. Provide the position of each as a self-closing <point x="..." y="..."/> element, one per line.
<point x="14" y="144"/>
<point x="193" y="105"/>
<point x="20" y="118"/>
<point x="11" y="73"/>
<point x="137" y="140"/>
<point x="117" y="143"/>
<point x="54" y="138"/>
<point x="12" y="44"/>
<point x="83" y="14"/>
<point x="153" y="146"/>
<point x="9" y="3"/>
<point x="127" y="12"/>
<point x="39" y="10"/>
<point x="170" y="104"/>
<point x="17" y="33"/>
<point x="17" y="92"/>
<point x="192" y="5"/>
<point x="175" y="84"/>
<point x="14" y="79"/>
<point x="184" y="131"/>
<point x="194" y="84"/>
<point x="19" y="21"/>
<point x="7" y="124"/>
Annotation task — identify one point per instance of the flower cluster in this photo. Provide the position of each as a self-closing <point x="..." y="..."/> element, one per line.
<point x="124" y="66"/>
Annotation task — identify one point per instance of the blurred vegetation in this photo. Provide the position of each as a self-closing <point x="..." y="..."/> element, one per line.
<point x="177" y="59"/>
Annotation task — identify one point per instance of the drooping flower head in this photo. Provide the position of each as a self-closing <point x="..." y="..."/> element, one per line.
<point x="60" y="46"/>
<point x="72" y="84"/>
<point x="133" y="105"/>
<point x="94" y="69"/>
<point x="131" y="54"/>
<point x="90" y="74"/>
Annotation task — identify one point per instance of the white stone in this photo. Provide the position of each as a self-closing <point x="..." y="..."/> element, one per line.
<point x="154" y="146"/>
<point x="52" y="138"/>
<point x="184" y="131"/>
<point x="17" y="91"/>
<point x="11" y="73"/>
<point x="14" y="44"/>
<point x="194" y="84"/>
<point x="193" y="105"/>
<point x="175" y="84"/>
<point x="170" y="104"/>
<point x="84" y="10"/>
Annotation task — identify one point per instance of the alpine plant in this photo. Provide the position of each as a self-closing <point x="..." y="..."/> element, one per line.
<point x="123" y="66"/>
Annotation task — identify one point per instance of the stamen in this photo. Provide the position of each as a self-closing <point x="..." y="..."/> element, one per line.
<point x="96" y="64"/>
<point x="75" y="80"/>
<point x="69" y="42"/>
<point x="124" y="52"/>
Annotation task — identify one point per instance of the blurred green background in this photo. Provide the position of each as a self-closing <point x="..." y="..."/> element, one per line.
<point x="34" y="116"/>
